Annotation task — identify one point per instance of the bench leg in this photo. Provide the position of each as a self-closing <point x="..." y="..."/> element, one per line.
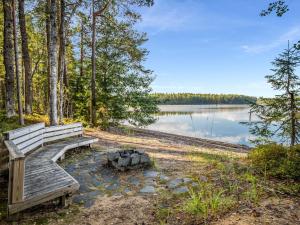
<point x="64" y="201"/>
<point x="13" y="218"/>
<point x="62" y="157"/>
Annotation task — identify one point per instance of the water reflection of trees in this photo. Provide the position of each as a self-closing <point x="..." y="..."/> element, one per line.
<point x="202" y="111"/>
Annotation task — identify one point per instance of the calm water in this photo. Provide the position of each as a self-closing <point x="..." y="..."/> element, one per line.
<point x="217" y="122"/>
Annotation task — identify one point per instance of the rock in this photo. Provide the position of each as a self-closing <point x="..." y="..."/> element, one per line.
<point x="113" y="187"/>
<point x="135" y="159"/>
<point x="150" y="181"/>
<point x="96" y="182"/>
<point x="181" y="190"/>
<point x="194" y="184"/>
<point x="163" y="177"/>
<point x="111" y="156"/>
<point x="89" y="203"/>
<point x="151" y="174"/>
<point x="186" y="180"/>
<point x="93" y="194"/>
<point x="203" y="179"/>
<point x="175" y="183"/>
<point x="127" y="191"/>
<point x="134" y="181"/>
<point x="123" y="162"/>
<point x="145" y="159"/>
<point x="128" y="159"/>
<point x="147" y="189"/>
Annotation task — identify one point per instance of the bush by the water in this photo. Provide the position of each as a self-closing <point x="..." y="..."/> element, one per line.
<point x="277" y="160"/>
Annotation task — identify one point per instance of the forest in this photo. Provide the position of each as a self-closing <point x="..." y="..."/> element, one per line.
<point x="76" y="59"/>
<point x="195" y="99"/>
<point x="76" y="100"/>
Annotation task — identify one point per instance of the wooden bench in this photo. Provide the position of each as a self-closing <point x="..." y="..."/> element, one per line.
<point x="34" y="175"/>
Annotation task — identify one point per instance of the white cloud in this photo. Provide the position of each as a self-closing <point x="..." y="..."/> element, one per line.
<point x="292" y="35"/>
<point x="165" y="16"/>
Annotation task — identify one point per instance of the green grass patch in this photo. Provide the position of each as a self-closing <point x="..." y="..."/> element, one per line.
<point x="207" y="201"/>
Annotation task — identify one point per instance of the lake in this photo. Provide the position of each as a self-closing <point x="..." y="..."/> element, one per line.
<point x="216" y="122"/>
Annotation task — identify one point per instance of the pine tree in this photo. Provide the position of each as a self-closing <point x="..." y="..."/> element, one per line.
<point x="278" y="115"/>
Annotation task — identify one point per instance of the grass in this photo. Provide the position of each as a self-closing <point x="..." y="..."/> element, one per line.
<point x="207" y="201"/>
<point x="226" y="183"/>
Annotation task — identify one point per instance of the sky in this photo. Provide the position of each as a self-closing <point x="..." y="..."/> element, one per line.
<point x="215" y="46"/>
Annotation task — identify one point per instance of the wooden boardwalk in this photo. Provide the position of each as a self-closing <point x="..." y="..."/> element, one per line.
<point x="36" y="177"/>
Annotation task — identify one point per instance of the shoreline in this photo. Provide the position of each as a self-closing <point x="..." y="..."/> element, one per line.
<point x="201" y="142"/>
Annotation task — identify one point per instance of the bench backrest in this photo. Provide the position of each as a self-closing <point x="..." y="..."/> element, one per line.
<point x="26" y="138"/>
<point x="55" y="133"/>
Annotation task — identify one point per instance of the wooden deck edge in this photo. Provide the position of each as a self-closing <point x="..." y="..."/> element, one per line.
<point x="14" y="208"/>
<point x="72" y="146"/>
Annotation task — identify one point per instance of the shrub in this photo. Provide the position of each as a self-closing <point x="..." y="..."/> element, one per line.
<point x="277" y="160"/>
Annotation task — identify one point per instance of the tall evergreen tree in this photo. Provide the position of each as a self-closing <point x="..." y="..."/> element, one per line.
<point x="277" y="115"/>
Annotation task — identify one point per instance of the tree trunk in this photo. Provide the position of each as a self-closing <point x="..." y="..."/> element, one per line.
<point x="47" y="12"/>
<point x="293" y="119"/>
<point x="93" y="80"/>
<point x="81" y="49"/>
<point x="8" y="56"/>
<point x="2" y="87"/>
<point x="26" y="59"/>
<point x="20" y="109"/>
<point x="61" y="65"/>
<point x="53" y="64"/>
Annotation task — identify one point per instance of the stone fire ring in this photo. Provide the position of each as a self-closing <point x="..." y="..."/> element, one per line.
<point x="128" y="159"/>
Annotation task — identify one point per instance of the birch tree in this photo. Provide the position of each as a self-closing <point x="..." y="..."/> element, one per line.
<point x="53" y="63"/>
<point x="20" y="109"/>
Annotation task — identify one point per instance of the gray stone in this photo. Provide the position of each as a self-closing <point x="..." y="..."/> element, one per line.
<point x="181" y="190"/>
<point x="175" y="183"/>
<point x="194" y="184"/>
<point x="163" y="177"/>
<point x="151" y="173"/>
<point x="135" y="159"/>
<point x="89" y="203"/>
<point x="111" y="156"/>
<point x="203" y="179"/>
<point x="186" y="180"/>
<point x="150" y="181"/>
<point x="145" y="159"/>
<point x="147" y="189"/>
<point x="96" y="182"/>
<point x="123" y="162"/>
<point x="112" y="187"/>
<point x="134" y="181"/>
<point x="127" y="190"/>
<point x="93" y="194"/>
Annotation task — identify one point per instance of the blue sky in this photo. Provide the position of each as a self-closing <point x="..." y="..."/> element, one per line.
<point x="215" y="46"/>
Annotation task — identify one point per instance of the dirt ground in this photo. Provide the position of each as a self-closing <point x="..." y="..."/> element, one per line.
<point x="174" y="157"/>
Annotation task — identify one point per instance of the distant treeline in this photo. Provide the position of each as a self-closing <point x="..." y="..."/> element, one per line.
<point x="194" y="99"/>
